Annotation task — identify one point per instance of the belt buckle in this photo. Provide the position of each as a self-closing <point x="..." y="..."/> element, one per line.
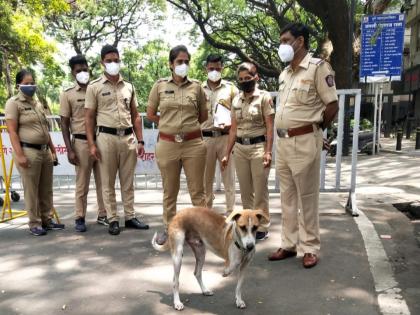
<point x="283" y="133"/>
<point x="179" y="137"/>
<point x="120" y="132"/>
<point x="217" y="133"/>
<point x="246" y="141"/>
<point x="44" y="147"/>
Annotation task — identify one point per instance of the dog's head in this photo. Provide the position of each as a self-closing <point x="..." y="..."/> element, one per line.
<point x="245" y="224"/>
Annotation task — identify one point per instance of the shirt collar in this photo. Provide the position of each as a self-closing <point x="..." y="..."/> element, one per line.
<point x="221" y="84"/>
<point x="22" y="97"/>
<point x="105" y="79"/>
<point x="171" y="79"/>
<point x="303" y="64"/>
<point x="256" y="93"/>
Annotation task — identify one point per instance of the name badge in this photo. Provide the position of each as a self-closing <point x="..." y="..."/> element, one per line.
<point x="107" y="93"/>
<point x="169" y="92"/>
<point x="82" y="99"/>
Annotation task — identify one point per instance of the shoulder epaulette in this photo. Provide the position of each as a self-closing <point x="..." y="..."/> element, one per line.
<point x="94" y="81"/>
<point x="69" y="88"/>
<point x="195" y="81"/>
<point x="162" y="80"/>
<point x="316" y="61"/>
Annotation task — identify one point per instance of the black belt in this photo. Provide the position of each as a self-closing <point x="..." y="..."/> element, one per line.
<point x="80" y="136"/>
<point x="214" y="133"/>
<point x="42" y="147"/>
<point x="254" y="140"/>
<point x="116" y="131"/>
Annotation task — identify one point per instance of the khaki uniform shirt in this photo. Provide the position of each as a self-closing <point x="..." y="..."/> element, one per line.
<point x="30" y="117"/>
<point x="224" y="95"/>
<point x="179" y="106"/>
<point x="72" y="105"/>
<point x="250" y="113"/>
<point x="112" y="102"/>
<point x="304" y="93"/>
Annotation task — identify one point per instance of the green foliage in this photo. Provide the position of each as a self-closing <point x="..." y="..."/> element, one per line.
<point x="22" y="39"/>
<point x="113" y="21"/>
<point x="144" y="66"/>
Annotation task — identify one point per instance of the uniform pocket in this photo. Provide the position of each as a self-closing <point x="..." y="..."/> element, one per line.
<point x="238" y="113"/>
<point x="255" y="113"/>
<point x="305" y="93"/>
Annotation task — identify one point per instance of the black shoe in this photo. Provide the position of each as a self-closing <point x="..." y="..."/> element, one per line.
<point x="162" y="237"/>
<point x="37" y="231"/>
<point x="114" y="228"/>
<point x="80" y="225"/>
<point x="102" y="220"/>
<point x="135" y="223"/>
<point x="51" y="225"/>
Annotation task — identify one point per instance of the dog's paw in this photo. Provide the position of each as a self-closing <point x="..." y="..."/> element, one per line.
<point x="178" y="306"/>
<point x="208" y="293"/>
<point x="240" y="304"/>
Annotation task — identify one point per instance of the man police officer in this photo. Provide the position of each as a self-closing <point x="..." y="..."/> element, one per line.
<point x="308" y="104"/>
<point x="111" y="108"/>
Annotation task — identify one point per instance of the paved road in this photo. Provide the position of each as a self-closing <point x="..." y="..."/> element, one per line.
<point x="95" y="273"/>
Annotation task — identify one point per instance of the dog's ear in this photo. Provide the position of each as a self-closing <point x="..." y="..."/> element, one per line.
<point x="263" y="219"/>
<point x="234" y="216"/>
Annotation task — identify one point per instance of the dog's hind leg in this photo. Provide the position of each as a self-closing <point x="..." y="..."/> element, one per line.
<point x="177" y="253"/>
<point x="199" y="250"/>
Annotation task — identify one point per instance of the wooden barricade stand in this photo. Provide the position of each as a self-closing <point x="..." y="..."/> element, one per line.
<point x="7" y="212"/>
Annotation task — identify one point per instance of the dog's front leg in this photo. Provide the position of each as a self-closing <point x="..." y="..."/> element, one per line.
<point x="235" y="257"/>
<point x="238" y="292"/>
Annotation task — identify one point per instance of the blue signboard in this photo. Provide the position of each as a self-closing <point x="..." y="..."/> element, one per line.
<point x="382" y="47"/>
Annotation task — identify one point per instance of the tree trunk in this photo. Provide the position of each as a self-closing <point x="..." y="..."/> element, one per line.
<point x="6" y="67"/>
<point x="334" y="15"/>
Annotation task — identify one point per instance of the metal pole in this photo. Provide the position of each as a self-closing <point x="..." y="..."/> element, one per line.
<point x="399" y="139"/>
<point x="339" y="147"/>
<point x="374" y="118"/>
<point x="379" y="118"/>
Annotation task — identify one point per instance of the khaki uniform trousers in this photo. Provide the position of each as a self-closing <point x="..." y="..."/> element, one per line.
<point x="252" y="177"/>
<point x="118" y="154"/>
<point x="37" y="182"/>
<point x="216" y="147"/>
<point x="83" y="173"/>
<point x="298" y="167"/>
<point x="171" y="157"/>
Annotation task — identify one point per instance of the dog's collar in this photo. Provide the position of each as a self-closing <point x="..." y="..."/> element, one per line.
<point x="237" y="245"/>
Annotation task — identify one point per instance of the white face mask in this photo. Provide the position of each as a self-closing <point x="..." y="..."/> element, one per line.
<point x="286" y="52"/>
<point x="181" y="70"/>
<point x="112" y="68"/>
<point x="82" y="77"/>
<point x="214" y="76"/>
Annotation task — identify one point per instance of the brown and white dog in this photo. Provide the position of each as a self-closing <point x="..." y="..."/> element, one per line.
<point x="232" y="239"/>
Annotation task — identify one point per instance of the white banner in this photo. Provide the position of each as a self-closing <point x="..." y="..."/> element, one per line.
<point x="145" y="165"/>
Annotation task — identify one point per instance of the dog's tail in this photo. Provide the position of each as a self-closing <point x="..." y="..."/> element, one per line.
<point x="156" y="246"/>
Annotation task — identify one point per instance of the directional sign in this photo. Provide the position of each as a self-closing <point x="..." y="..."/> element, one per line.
<point x="382" y="47"/>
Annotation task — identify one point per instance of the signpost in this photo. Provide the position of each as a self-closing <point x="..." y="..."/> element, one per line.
<point x="381" y="56"/>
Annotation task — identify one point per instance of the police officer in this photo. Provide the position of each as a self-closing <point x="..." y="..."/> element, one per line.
<point x="111" y="110"/>
<point x="308" y="104"/>
<point x="252" y="135"/>
<point x="182" y="104"/>
<point x="220" y="93"/>
<point x="72" y="112"/>
<point x="33" y="153"/>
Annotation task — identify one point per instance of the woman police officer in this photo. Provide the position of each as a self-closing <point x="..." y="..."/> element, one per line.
<point x="182" y="103"/>
<point x="33" y="153"/>
<point x="252" y="135"/>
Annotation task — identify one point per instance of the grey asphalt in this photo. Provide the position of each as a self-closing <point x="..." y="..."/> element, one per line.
<point x="95" y="273"/>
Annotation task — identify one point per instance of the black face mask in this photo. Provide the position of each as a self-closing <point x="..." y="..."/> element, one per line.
<point x="247" y="86"/>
